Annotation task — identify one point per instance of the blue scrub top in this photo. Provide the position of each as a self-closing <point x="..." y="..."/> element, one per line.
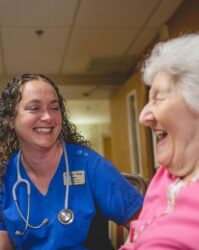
<point x="104" y="187"/>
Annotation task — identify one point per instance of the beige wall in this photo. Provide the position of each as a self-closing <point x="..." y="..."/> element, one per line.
<point x="119" y="126"/>
<point x="95" y="133"/>
<point x="184" y="21"/>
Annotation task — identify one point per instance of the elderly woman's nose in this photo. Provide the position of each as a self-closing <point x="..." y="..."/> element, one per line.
<point x="146" y="116"/>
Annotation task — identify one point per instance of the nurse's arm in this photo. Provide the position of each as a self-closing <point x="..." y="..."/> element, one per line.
<point x="134" y="217"/>
<point x="5" y="243"/>
<point x="127" y="224"/>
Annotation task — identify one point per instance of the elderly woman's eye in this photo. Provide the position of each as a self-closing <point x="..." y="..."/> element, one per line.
<point x="160" y="97"/>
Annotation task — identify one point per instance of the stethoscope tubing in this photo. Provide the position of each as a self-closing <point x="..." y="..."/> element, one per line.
<point x="21" y="180"/>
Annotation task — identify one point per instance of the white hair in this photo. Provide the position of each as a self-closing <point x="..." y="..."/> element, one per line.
<point x="180" y="58"/>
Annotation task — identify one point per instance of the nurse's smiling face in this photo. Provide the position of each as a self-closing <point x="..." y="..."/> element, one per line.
<point x="174" y="125"/>
<point x="38" y="118"/>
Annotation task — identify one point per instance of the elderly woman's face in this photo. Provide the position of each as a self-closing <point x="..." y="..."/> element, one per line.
<point x="174" y="125"/>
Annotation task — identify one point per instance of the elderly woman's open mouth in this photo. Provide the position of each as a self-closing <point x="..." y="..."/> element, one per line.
<point x="160" y="135"/>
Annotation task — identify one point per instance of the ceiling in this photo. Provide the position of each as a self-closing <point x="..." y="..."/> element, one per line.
<point x="88" y="47"/>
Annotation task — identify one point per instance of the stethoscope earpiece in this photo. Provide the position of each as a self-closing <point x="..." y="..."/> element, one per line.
<point x="65" y="216"/>
<point x="45" y="221"/>
<point x="18" y="233"/>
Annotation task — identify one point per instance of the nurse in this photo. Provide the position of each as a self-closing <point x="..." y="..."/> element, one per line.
<point x="53" y="185"/>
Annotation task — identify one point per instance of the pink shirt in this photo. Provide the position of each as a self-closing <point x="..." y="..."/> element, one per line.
<point x="159" y="228"/>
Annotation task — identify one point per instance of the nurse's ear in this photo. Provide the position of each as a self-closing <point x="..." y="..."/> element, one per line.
<point x="10" y="123"/>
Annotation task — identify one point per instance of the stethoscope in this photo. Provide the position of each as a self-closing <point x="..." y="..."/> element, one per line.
<point x="65" y="216"/>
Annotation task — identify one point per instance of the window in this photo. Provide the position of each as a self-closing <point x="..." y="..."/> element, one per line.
<point x="134" y="139"/>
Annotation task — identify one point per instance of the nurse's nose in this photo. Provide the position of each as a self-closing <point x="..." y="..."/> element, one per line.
<point x="146" y="117"/>
<point x="45" y="115"/>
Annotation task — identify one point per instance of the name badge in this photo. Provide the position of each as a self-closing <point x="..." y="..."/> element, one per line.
<point x="74" y="178"/>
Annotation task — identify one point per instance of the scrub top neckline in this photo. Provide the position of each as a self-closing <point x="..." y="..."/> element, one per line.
<point x="52" y="181"/>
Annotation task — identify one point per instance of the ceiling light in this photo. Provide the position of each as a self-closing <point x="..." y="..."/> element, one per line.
<point x="39" y="33"/>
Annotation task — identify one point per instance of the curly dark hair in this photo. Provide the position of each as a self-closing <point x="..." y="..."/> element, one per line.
<point x="10" y="96"/>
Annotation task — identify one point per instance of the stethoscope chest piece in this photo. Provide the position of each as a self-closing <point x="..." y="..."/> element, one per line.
<point x="66" y="216"/>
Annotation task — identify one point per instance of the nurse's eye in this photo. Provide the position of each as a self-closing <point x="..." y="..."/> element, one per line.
<point x="33" y="108"/>
<point x="55" y="108"/>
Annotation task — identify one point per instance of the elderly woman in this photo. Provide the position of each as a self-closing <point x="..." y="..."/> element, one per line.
<point x="170" y="215"/>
